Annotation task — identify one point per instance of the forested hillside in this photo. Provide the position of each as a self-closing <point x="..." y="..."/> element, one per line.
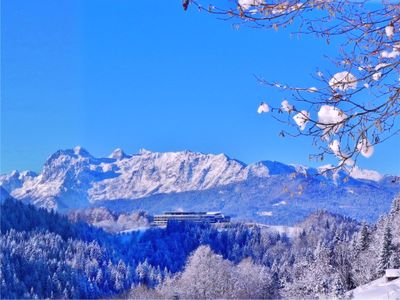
<point x="45" y="255"/>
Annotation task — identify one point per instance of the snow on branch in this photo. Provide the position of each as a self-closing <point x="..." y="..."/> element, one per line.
<point x="355" y="105"/>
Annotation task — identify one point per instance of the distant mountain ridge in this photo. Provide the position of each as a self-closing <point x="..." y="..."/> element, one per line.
<point x="156" y="181"/>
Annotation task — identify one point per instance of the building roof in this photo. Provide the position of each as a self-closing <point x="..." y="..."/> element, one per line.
<point x="185" y="213"/>
<point x="377" y="289"/>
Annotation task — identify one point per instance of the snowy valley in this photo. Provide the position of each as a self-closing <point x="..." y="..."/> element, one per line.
<point x="45" y="255"/>
<point x="82" y="228"/>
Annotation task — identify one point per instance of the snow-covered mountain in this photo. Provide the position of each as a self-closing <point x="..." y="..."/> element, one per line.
<point x="73" y="177"/>
<point x="156" y="181"/>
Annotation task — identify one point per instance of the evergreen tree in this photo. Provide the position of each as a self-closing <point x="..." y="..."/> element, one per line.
<point x="385" y="251"/>
<point x="395" y="207"/>
<point x="339" y="287"/>
<point x="362" y="238"/>
<point x="395" y="258"/>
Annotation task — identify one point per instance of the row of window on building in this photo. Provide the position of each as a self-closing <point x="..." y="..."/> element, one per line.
<point x="198" y="217"/>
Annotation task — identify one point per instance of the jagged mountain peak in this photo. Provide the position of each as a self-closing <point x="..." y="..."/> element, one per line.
<point x="73" y="175"/>
<point x="185" y="152"/>
<point x="118" y="154"/>
<point x="16" y="179"/>
<point x="21" y="174"/>
<point x="79" y="150"/>
<point x="276" y="167"/>
<point x="14" y="173"/>
<point x="28" y="173"/>
<point x="73" y="178"/>
<point x="143" y="151"/>
<point x="188" y="156"/>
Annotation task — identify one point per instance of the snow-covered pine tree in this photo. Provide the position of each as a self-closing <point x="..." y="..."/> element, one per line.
<point x="339" y="287"/>
<point x="395" y="258"/>
<point x="385" y="251"/>
<point x="395" y="208"/>
<point x="363" y="238"/>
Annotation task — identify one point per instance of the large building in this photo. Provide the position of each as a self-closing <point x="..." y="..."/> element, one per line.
<point x="199" y="217"/>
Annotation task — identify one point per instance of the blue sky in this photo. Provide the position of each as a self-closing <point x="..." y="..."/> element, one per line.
<point x="146" y="74"/>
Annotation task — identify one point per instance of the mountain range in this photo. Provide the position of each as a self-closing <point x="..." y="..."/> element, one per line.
<point x="267" y="192"/>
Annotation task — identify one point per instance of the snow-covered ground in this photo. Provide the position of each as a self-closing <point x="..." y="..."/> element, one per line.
<point x="377" y="290"/>
<point x="290" y="231"/>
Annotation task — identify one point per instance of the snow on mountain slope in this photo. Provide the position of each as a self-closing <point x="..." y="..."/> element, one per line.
<point x="153" y="173"/>
<point x="379" y="289"/>
<point x="73" y="179"/>
<point x="358" y="173"/>
<point x="16" y="179"/>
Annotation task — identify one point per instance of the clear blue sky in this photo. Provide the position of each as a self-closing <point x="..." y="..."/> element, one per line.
<point x="146" y="74"/>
